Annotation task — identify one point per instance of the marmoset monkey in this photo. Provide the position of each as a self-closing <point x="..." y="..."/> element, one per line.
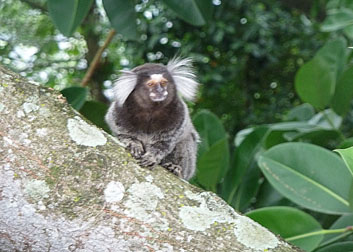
<point x="150" y="118"/>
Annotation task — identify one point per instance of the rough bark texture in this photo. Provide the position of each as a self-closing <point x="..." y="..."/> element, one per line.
<point x="67" y="186"/>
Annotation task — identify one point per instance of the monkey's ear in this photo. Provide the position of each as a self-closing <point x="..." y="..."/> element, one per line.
<point x="184" y="77"/>
<point x="124" y="85"/>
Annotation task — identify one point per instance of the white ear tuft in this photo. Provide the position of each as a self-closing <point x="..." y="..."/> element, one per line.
<point x="184" y="77"/>
<point x="124" y="85"/>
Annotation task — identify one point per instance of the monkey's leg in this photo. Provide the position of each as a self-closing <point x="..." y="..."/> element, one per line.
<point x="173" y="168"/>
<point x="182" y="160"/>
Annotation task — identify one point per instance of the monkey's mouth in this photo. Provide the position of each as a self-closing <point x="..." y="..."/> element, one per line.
<point x="158" y="97"/>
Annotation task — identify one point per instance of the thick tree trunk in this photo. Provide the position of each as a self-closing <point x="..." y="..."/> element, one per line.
<point x="67" y="186"/>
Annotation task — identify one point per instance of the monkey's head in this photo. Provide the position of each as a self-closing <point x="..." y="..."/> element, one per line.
<point x="156" y="83"/>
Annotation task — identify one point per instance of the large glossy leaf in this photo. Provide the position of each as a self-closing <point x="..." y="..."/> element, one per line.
<point x="279" y="219"/>
<point x="334" y="53"/>
<point x="337" y="19"/>
<point x="315" y="83"/>
<point x="310" y="176"/>
<point x="95" y="112"/>
<point x="122" y="16"/>
<point x="338" y="247"/>
<point x="196" y="12"/>
<point x="76" y="96"/>
<point x="268" y="196"/>
<point x="280" y="131"/>
<point x="212" y="164"/>
<point x="344" y="93"/>
<point x="210" y="129"/>
<point x="248" y="189"/>
<point x="67" y="15"/>
<point x="244" y="158"/>
<point x="213" y="152"/>
<point x="347" y="155"/>
<point x="322" y="137"/>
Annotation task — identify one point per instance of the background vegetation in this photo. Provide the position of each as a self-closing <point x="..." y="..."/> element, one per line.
<point x="275" y="110"/>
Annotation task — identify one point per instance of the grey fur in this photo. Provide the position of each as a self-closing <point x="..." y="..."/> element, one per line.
<point x="156" y="132"/>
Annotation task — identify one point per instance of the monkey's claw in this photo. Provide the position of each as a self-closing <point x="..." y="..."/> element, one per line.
<point x="148" y="160"/>
<point x="173" y="168"/>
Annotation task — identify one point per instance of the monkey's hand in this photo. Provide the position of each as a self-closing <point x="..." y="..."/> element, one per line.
<point x="148" y="160"/>
<point x="136" y="149"/>
<point x="155" y="153"/>
<point x="134" y="146"/>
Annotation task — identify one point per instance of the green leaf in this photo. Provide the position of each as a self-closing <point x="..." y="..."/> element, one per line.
<point x="334" y="53"/>
<point x="315" y="83"/>
<point x="268" y="196"/>
<point x="244" y="159"/>
<point x="288" y="223"/>
<point x="337" y="19"/>
<point x="302" y="112"/>
<point x="95" y="112"/>
<point x="212" y="164"/>
<point x="76" y="96"/>
<point x="280" y="131"/>
<point x="338" y="247"/>
<point x="122" y="16"/>
<point x="195" y="12"/>
<point x="347" y="156"/>
<point x="317" y="136"/>
<point x="310" y="176"/>
<point x="210" y="129"/>
<point x="67" y="15"/>
<point x="248" y="189"/>
<point x="344" y="93"/>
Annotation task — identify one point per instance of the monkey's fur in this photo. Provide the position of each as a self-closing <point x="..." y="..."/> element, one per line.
<point x="150" y="118"/>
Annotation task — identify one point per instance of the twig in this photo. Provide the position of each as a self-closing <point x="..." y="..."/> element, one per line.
<point x="96" y="59"/>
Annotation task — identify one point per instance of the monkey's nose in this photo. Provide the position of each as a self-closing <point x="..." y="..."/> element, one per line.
<point x="159" y="88"/>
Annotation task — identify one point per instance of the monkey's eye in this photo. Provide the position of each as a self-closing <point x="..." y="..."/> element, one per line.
<point x="163" y="83"/>
<point x="150" y="83"/>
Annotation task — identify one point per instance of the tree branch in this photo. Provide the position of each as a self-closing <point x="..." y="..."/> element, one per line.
<point x="96" y="59"/>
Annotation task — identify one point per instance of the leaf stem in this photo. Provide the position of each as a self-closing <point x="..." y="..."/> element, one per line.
<point x="320" y="232"/>
<point x="333" y="240"/>
<point x="96" y="59"/>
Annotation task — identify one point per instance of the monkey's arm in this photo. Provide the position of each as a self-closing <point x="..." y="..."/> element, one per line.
<point x="131" y="141"/>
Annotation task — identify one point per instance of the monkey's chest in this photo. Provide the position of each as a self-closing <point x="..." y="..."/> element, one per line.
<point x="150" y="124"/>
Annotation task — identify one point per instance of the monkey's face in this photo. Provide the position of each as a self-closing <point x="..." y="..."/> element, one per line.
<point x="157" y="87"/>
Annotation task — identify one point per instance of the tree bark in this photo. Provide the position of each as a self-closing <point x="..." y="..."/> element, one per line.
<point x="66" y="185"/>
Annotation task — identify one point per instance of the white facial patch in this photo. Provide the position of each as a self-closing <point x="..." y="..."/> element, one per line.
<point x="157" y="77"/>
